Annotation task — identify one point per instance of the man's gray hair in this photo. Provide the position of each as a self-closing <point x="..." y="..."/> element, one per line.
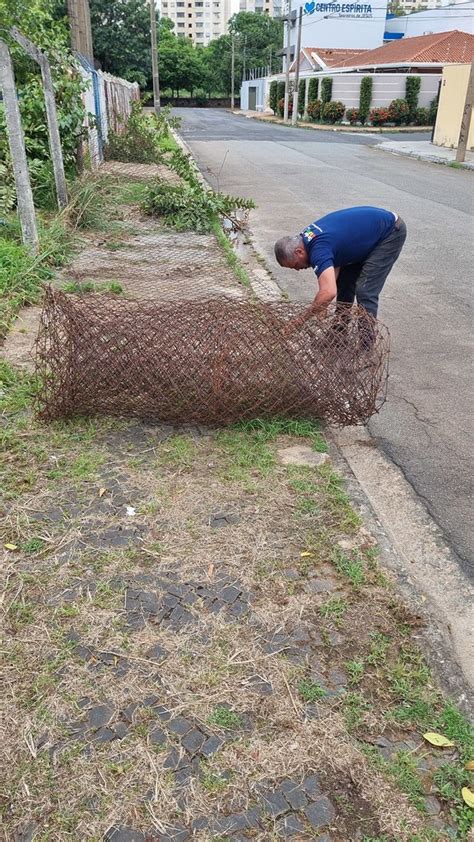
<point x="285" y="248"/>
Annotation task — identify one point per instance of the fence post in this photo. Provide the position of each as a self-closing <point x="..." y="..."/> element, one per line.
<point x="16" y="140"/>
<point x="51" y="114"/>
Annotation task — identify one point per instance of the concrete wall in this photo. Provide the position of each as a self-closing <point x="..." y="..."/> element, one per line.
<point x="261" y="94"/>
<point x="451" y="107"/>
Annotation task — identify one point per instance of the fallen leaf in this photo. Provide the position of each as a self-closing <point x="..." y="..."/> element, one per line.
<point x="438" y="740"/>
<point x="102" y="491"/>
<point x="470" y="766"/>
<point x="468" y="796"/>
<point x="306" y="554"/>
<point x="10" y="547"/>
<point x="210" y="571"/>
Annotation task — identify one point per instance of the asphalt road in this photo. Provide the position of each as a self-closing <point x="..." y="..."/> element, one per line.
<point x="296" y="175"/>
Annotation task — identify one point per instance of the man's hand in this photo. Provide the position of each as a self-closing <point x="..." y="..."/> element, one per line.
<point x="311" y="313"/>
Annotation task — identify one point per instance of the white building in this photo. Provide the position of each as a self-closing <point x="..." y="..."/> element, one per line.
<point x="423" y="5"/>
<point x="200" y="20"/>
<point x="457" y="16"/>
<point x="268" y="7"/>
<point x="347" y="25"/>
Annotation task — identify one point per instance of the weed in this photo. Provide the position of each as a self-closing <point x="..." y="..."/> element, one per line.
<point x="351" y="566"/>
<point x="21" y="613"/>
<point x="354" y="707"/>
<point x="269" y="428"/>
<point x="449" y="780"/>
<point x="403" y="769"/>
<point x="246" y="455"/>
<point x="33" y="545"/>
<point x="378" y="649"/>
<point x="213" y="781"/>
<point x="178" y="451"/>
<point x="455" y="165"/>
<point x="355" y="671"/>
<point x="337" y="501"/>
<point x="223" y="717"/>
<point x="333" y="609"/>
<point x="231" y="257"/>
<point x="310" y="691"/>
<point x="85" y="466"/>
<point x="83" y="287"/>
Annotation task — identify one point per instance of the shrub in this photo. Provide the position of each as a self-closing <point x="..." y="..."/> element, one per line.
<point x="313" y="90"/>
<point x="301" y="93"/>
<point x="314" y="110"/>
<point x="273" y="96"/>
<point x="379" y="116"/>
<point x="353" y="115"/>
<point x="432" y="111"/>
<point x="140" y="141"/>
<point x="398" y="112"/>
<point x="326" y="89"/>
<point x="190" y="207"/>
<point x="412" y="90"/>
<point x="365" y="98"/>
<point x="422" y="117"/>
<point x="280" y="91"/>
<point x="333" y="112"/>
<point x="281" y="107"/>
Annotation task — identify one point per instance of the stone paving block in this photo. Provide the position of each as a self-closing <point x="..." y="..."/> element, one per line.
<point x="230" y="824"/>
<point x="123" y="834"/>
<point x="321" y="812"/>
<point x="212" y="745"/>
<point x="158" y="737"/>
<point x="183" y="776"/>
<point x="311" y="786"/>
<point x="432" y="805"/>
<point x="253" y="816"/>
<point x="294" y="794"/>
<point x="193" y="741"/>
<point x="100" y="715"/>
<point x="275" y="804"/>
<point x="103" y="735"/>
<point x="179" y="726"/>
<point x="157" y="653"/>
<point x="173" y="760"/>
<point x="162" y="713"/>
<point x="320" y="586"/>
<point x="337" y="676"/>
<point x="230" y="593"/>
<point x="264" y="688"/>
<point x="289" y="826"/>
<point x="120" y="730"/>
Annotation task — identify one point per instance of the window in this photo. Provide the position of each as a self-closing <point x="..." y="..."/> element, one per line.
<point x="199" y="25"/>
<point x="190" y="14"/>
<point x="180" y="14"/>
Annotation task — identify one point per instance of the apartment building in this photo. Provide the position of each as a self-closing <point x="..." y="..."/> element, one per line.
<point x="268" y="7"/>
<point x="200" y="20"/>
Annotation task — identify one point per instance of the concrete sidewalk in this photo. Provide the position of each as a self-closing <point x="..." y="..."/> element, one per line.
<point x="424" y="150"/>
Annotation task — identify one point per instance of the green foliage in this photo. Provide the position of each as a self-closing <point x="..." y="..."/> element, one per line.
<point x="326" y="89"/>
<point x="353" y="115"/>
<point x="421" y="117"/>
<point x="314" y="110"/>
<point x="142" y="140"/>
<point x="281" y="107"/>
<point x="365" y="98"/>
<point x="182" y="66"/>
<point x="225" y="718"/>
<point x="398" y="112"/>
<point x="379" y="116"/>
<point x="310" y="691"/>
<point x="333" y="111"/>
<point x="432" y="111"/>
<point x="37" y="21"/>
<point x="273" y="95"/>
<point x="301" y="94"/>
<point x="313" y="90"/>
<point x="280" y="91"/>
<point x="412" y="91"/>
<point x="121" y="36"/>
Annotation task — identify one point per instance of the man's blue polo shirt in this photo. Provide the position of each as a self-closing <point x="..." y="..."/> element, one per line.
<point x="346" y="236"/>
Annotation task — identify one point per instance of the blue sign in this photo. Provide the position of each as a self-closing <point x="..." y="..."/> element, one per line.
<point x="341" y="9"/>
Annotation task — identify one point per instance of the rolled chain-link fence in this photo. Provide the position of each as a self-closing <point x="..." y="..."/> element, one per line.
<point x="208" y="361"/>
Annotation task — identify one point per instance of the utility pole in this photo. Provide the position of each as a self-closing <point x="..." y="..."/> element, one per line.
<point x="288" y="62"/>
<point x="244" y="58"/>
<point x="271" y="57"/>
<point x="466" y="118"/>
<point x="80" y="25"/>
<point x="16" y="140"/>
<point x="154" y="59"/>
<point x="232" y="72"/>
<point x="294" y="117"/>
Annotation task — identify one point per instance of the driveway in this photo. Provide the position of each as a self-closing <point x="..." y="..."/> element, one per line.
<point x="296" y="175"/>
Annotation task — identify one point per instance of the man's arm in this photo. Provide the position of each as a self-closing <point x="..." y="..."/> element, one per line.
<point x="326" y="292"/>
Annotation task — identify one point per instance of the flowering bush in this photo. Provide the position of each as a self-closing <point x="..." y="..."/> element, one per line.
<point x="399" y="112"/>
<point x="314" y="109"/>
<point x="422" y="117"/>
<point x="379" y="116"/>
<point x="352" y="114"/>
<point x="333" y="112"/>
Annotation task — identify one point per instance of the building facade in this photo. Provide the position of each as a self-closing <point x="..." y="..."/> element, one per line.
<point x="199" y="20"/>
<point x="268" y="7"/>
<point x="347" y="25"/>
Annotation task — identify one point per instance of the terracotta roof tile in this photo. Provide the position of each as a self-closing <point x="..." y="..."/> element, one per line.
<point x="439" y="47"/>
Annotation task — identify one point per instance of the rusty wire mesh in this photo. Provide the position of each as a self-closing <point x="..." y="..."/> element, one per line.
<point x="209" y="361"/>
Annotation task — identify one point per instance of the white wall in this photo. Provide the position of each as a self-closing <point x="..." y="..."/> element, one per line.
<point x="460" y="16"/>
<point x="261" y="86"/>
<point x="341" y="24"/>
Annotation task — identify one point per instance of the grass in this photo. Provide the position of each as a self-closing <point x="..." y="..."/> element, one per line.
<point x="246" y="455"/>
<point x="178" y="451"/>
<point x="337" y="501"/>
<point x="350" y="566"/>
<point x="232" y="259"/>
<point x="449" y="781"/>
<point x="268" y="429"/>
<point x="81" y="287"/>
<point x="310" y="691"/>
<point x="355" y="670"/>
<point x="225" y="718"/>
<point x="333" y="609"/>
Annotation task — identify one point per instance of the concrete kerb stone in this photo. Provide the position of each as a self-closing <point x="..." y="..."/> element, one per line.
<point x="325" y="127"/>
<point x="394" y="148"/>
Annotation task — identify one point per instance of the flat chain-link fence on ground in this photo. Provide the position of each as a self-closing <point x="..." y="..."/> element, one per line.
<point x="207" y="361"/>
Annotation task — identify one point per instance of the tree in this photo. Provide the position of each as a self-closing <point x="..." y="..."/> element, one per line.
<point x="262" y="36"/>
<point x="181" y="67"/>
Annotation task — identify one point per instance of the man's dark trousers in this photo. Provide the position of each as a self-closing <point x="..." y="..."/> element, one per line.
<point x="365" y="281"/>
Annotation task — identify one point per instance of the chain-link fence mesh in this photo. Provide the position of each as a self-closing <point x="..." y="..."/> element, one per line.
<point x="208" y="361"/>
